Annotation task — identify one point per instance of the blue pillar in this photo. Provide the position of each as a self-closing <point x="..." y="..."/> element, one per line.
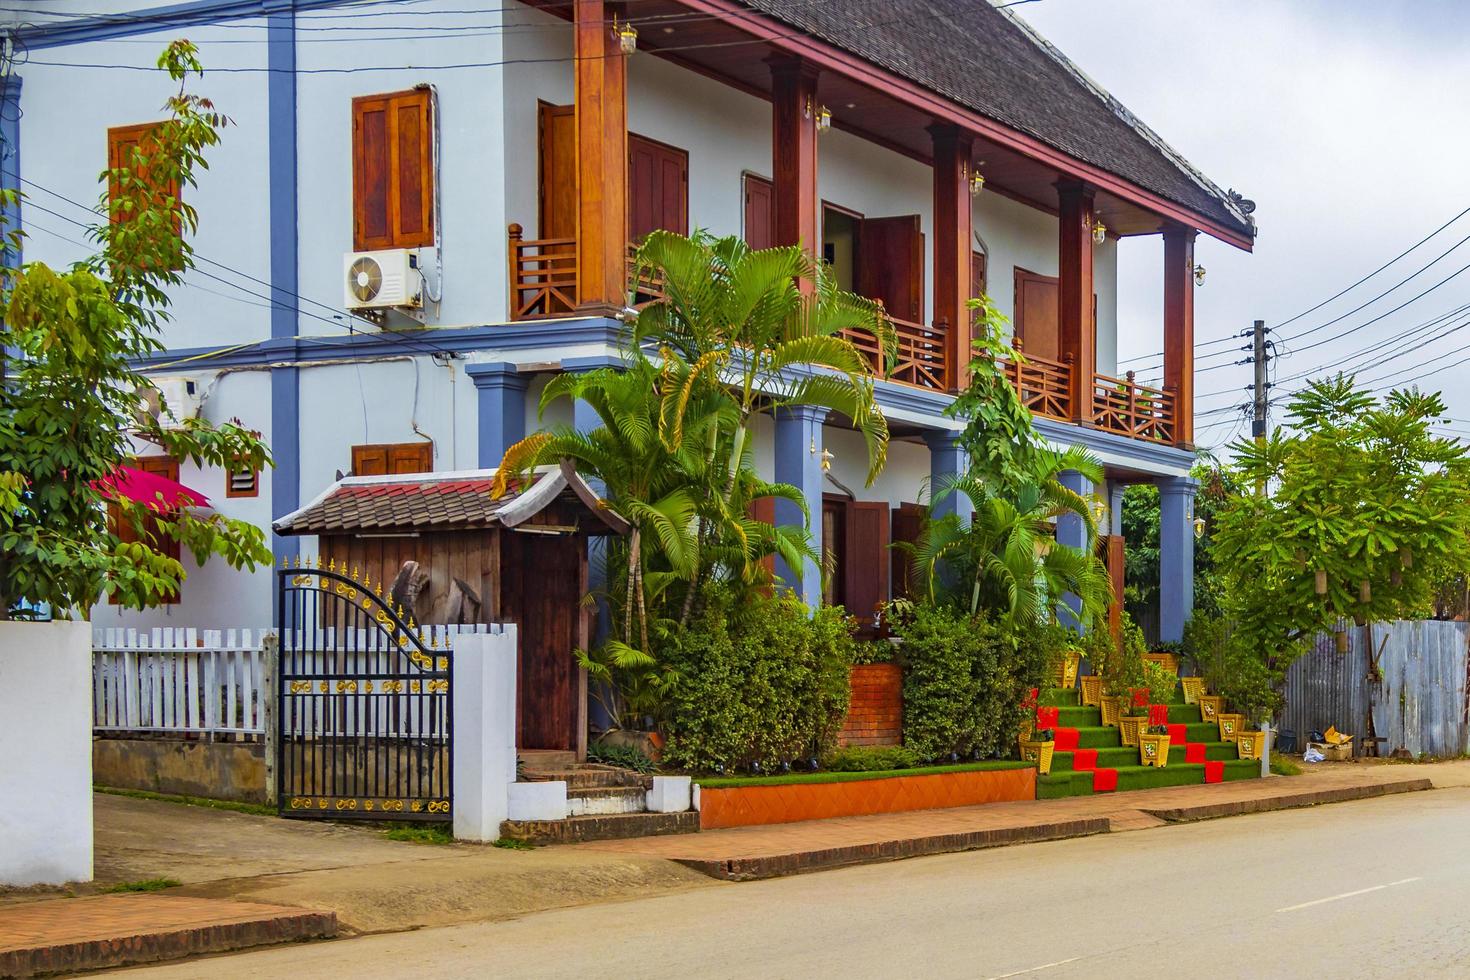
<point x="282" y="212"/>
<point x="799" y="463"/>
<point x="946" y="461"/>
<point x="10" y="160"/>
<point x="502" y="408"/>
<point x="1176" y="556"/>
<point x="1072" y="531"/>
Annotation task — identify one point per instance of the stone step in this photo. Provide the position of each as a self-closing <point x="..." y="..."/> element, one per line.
<point x="539" y="760"/>
<point x="589" y="776"/>
<point x="576" y="830"/>
<point x="606" y="800"/>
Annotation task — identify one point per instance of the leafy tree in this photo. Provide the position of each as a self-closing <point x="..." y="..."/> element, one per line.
<point x="70" y="395"/>
<point x="1356" y="511"/>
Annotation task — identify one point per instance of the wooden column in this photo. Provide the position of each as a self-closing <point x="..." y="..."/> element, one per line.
<point x="952" y="249"/>
<point x="1075" y="292"/>
<point x="602" y="160"/>
<point x="1179" y="328"/>
<point x="794" y="110"/>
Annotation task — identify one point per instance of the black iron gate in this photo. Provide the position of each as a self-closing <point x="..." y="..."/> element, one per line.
<point x="364" y="715"/>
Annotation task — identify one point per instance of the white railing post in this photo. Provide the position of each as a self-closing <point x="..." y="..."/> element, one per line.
<point x="270" y="649"/>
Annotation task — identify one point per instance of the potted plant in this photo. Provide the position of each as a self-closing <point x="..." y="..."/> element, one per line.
<point x="1064" y="671"/>
<point x="1193" y="687"/>
<point x="1038" y="748"/>
<point x="1092" y="690"/>
<point x="1210" y="706"/>
<point x="1231" y="725"/>
<point x="1153" y="746"/>
<point x="1250" y="745"/>
<point x="1110" y="705"/>
<point x="1134" y="718"/>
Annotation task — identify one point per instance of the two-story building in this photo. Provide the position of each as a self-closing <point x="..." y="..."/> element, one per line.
<point x="423" y="210"/>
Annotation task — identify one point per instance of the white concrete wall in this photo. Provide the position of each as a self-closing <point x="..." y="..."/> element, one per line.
<point x="484" y="753"/>
<point x="45" y="753"/>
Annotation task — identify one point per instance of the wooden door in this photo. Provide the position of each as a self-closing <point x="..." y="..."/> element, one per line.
<point x="977" y="275"/>
<point x="907" y="524"/>
<point x="866" y="571"/>
<point x="891" y="265"/>
<point x="541" y="584"/>
<point x="557" y="140"/>
<point x="658" y="188"/>
<point x="1038" y="314"/>
<point x="760" y="212"/>
<point x="1116" y="561"/>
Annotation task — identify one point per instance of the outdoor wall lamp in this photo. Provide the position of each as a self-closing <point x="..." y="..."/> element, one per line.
<point x="1199" y="275"/>
<point x="822" y="113"/>
<point x="1199" y="527"/>
<point x="825" y="455"/>
<point x="1099" y="233"/>
<point x="977" y="180"/>
<point x="627" y="37"/>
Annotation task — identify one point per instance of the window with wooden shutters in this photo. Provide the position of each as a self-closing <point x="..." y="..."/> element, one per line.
<point x="385" y="459"/>
<point x="124" y="143"/>
<point x="865" y="585"/>
<point x="242" y="482"/>
<point x="393" y="170"/>
<point x="151" y="534"/>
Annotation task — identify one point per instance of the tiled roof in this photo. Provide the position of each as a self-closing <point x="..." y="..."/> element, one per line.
<point x="433" y="503"/>
<point x="990" y="62"/>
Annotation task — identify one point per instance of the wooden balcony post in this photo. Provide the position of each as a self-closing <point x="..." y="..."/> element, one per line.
<point x="1075" y="323"/>
<point x="602" y="159"/>
<point x="1179" y="328"/>
<point x="513" y="252"/>
<point x="1132" y="406"/>
<point x="794" y="111"/>
<point x="953" y="150"/>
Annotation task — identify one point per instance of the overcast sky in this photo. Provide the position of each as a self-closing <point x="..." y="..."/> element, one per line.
<point x="1346" y="122"/>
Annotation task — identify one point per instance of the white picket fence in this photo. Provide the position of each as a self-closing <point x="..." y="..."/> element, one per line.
<point x="189" y="681"/>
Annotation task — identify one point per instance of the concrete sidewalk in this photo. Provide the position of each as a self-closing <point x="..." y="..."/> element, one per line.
<point x="743" y="853"/>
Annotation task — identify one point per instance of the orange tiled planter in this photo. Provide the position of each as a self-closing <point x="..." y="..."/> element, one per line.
<point x="744" y="806"/>
<point x="875" y="712"/>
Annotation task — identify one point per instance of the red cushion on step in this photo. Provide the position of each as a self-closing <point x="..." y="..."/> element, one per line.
<point x="1104" y="780"/>
<point x="1066" y="739"/>
<point x="1046" y="716"/>
<point x="1084" y="760"/>
<point x="1215" y="771"/>
<point x="1194" y="752"/>
<point x="1178" y="735"/>
<point x="1158" y="714"/>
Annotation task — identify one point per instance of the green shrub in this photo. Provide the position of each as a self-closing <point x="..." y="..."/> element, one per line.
<point x="624" y="756"/>
<point x="965" y="679"/>
<point x="874" y="652"/>
<point x="1230" y="669"/>
<point x="1160" y="682"/>
<point x="765" y="683"/>
<point x="872" y="758"/>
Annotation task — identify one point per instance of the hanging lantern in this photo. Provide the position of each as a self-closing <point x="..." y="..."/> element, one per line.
<point x="977" y="181"/>
<point x="627" y="38"/>
<point x="1365" y="591"/>
<point x="1199" y="527"/>
<point x="1099" y="233"/>
<point x="1321" y="581"/>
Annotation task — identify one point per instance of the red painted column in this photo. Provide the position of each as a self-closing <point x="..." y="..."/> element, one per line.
<point x="1075" y="289"/>
<point x="602" y="159"/>
<point x="1179" y="327"/>
<point x="794" y="109"/>
<point x="953" y="150"/>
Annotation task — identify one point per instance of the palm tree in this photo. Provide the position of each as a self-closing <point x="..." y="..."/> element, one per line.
<point x="1006" y="560"/>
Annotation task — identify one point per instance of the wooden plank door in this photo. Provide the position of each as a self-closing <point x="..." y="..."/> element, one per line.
<point x="867" y="557"/>
<point x="1038" y="314"/>
<point x="540" y="594"/>
<point x="557" y="141"/>
<point x="1116" y="562"/>
<point x="658" y="187"/>
<point x="977" y="275"/>
<point x="891" y="265"/>
<point x="760" y="212"/>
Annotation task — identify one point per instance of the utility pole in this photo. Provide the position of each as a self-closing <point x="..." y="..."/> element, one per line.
<point x="1260" y="357"/>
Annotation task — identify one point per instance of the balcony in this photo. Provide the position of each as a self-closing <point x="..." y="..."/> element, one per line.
<point x="1130" y="409"/>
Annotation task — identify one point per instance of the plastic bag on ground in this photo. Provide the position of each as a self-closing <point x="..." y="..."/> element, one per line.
<point x="1312" y="755"/>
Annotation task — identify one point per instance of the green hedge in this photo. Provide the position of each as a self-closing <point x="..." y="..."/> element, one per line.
<point x="964" y="681"/>
<point x="766" y="682"/>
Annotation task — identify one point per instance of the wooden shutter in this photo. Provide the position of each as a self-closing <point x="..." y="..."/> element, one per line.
<point x="977" y="275"/>
<point x="658" y="187"/>
<point x="153" y="536"/>
<point x="865" y="570"/>
<point x="557" y="136"/>
<point x="1116" y="565"/>
<point x="891" y="265"/>
<point x="242" y="482"/>
<point x="384" y="459"/>
<point x="392" y="170"/>
<point x="122" y="142"/>
<point x="760" y="212"/>
<point x="1038" y="314"/>
<point x="907" y="525"/>
<point x="832" y="537"/>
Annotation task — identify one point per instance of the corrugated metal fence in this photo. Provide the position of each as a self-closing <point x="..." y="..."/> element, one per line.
<point x="1418" y="705"/>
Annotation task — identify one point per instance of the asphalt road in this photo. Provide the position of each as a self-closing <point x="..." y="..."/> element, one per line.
<point x="1378" y="888"/>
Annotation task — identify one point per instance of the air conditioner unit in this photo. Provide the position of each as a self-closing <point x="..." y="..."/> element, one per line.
<point x="383" y="280"/>
<point x="180" y="396"/>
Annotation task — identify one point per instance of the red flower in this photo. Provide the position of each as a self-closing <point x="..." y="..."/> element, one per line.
<point x="1140" y="695"/>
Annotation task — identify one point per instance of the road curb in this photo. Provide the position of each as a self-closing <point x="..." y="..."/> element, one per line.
<point x="824" y="859"/>
<point x="1233" y="808"/>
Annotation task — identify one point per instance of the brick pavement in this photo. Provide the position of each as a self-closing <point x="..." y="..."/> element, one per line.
<point x="67" y="935"/>
<point x="779" y="849"/>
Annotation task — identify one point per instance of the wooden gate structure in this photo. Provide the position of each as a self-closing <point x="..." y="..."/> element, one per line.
<point x="365" y="717"/>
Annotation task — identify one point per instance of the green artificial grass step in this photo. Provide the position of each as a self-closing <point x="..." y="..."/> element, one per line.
<point x="1079" y="718"/>
<point x="1056" y="785"/>
<point x="1127" y="755"/>
<point x="1059" y="697"/>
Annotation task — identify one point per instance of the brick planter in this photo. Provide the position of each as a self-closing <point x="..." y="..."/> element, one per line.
<point x="743" y="806"/>
<point x="875" y="714"/>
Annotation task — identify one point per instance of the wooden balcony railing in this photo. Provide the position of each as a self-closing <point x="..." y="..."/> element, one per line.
<point x="1123" y="406"/>
<point x="919" y="353"/>
<point x="1043" y="385"/>
<point x="543" y="276"/>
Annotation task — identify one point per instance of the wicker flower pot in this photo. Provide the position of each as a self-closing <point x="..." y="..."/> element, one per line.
<point x="1210" y="705"/>
<point x="1168" y="661"/>
<point x="1065" y="676"/>
<point x="1231" y="725"/>
<point x="1131" y="726"/>
<point x="1250" y="745"/>
<point x="1193" y="688"/>
<point x="1153" y="750"/>
<point x="1039" y="753"/>
<point x="1110" y="705"/>
<point x="1092" y="690"/>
